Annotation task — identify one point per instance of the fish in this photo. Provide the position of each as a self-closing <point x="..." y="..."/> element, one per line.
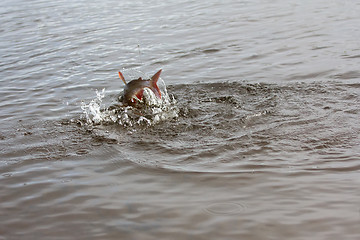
<point x="134" y="90"/>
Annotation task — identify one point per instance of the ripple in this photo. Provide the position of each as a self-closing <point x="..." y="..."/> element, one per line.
<point x="268" y="116"/>
<point x="348" y="75"/>
<point x="225" y="208"/>
<point x="82" y="151"/>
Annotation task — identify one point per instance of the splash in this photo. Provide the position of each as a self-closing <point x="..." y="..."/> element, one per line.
<point x="92" y="110"/>
<point x="151" y="110"/>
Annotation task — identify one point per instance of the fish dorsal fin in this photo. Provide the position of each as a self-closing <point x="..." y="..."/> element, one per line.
<point x="122" y="77"/>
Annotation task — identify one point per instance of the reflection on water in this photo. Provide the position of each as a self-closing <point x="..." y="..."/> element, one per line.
<point x="262" y="142"/>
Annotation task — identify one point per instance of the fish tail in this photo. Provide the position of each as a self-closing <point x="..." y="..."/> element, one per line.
<point x="153" y="84"/>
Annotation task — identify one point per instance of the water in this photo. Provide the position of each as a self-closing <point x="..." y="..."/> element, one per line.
<point x="263" y="142"/>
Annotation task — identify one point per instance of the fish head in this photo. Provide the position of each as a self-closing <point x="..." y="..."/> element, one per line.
<point x="134" y="90"/>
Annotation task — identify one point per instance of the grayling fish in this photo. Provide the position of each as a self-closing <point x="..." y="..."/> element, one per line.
<point x="134" y="90"/>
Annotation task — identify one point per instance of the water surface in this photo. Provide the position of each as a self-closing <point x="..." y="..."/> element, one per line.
<point x="266" y="140"/>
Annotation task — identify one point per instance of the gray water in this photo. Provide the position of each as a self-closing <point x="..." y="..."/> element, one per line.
<point x="264" y="144"/>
